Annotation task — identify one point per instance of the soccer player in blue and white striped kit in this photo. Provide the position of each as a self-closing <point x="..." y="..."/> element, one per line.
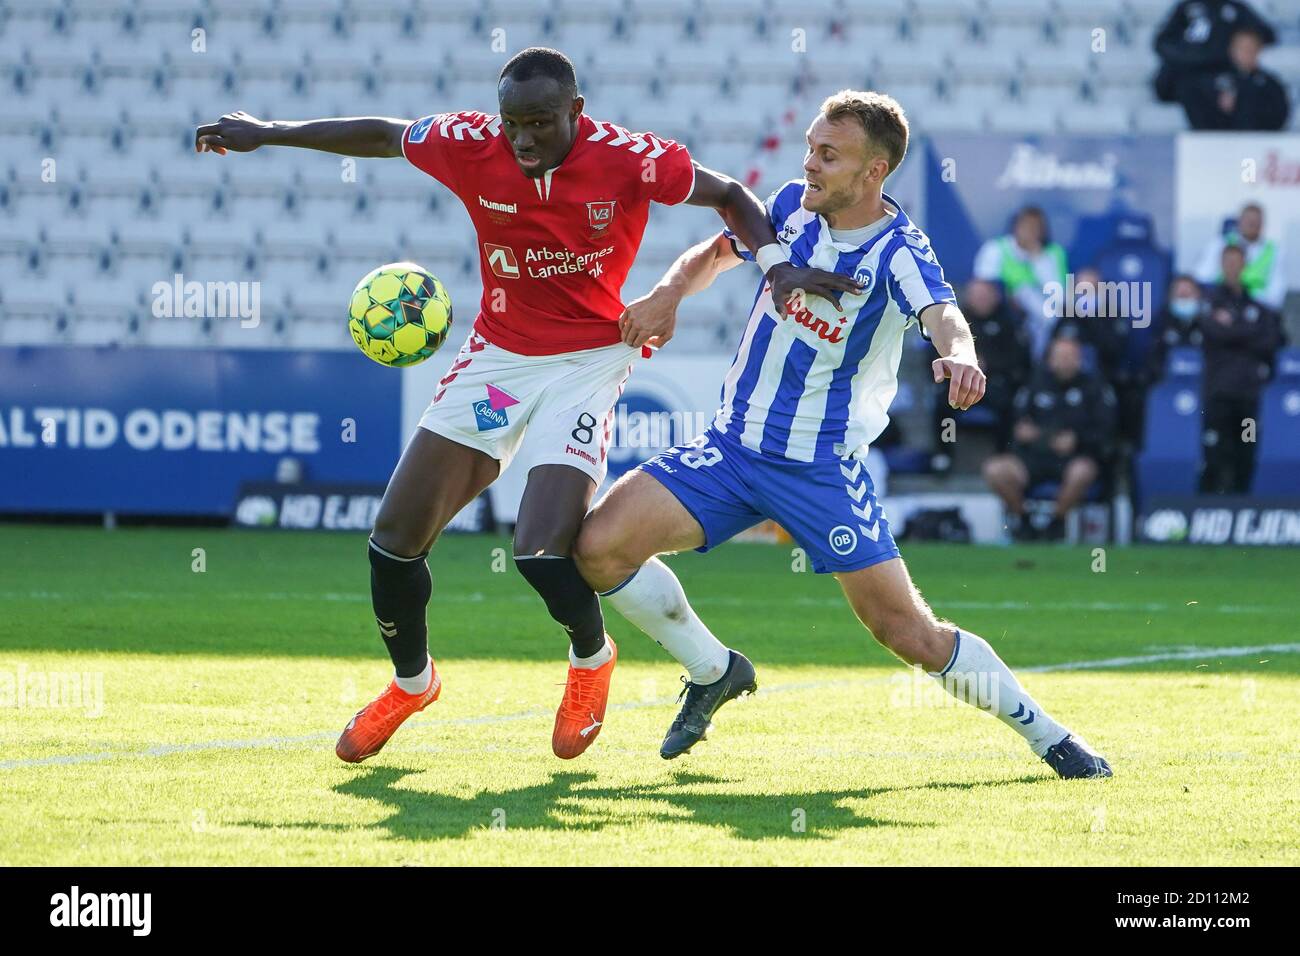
<point x="808" y="391"/>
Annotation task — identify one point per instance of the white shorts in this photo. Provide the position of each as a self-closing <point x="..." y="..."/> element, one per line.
<point x="543" y="409"/>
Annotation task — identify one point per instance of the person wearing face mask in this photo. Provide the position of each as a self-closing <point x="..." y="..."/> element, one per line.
<point x="1177" y="324"/>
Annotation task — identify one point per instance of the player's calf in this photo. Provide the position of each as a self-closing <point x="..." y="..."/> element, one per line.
<point x="965" y="665"/>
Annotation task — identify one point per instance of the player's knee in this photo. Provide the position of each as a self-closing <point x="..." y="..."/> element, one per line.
<point x="395" y="538"/>
<point x="598" y="556"/>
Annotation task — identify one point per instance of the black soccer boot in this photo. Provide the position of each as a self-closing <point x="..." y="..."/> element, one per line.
<point x="703" y="701"/>
<point x="1072" y="759"/>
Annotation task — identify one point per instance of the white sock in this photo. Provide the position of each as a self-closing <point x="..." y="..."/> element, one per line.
<point x="654" y="601"/>
<point x="977" y="676"/>
<point x="602" y="656"/>
<point x="419" y="683"/>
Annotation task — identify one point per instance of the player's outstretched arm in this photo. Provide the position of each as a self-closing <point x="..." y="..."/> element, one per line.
<point x="651" y="319"/>
<point x="746" y="216"/>
<point x="371" y="136"/>
<point x="952" y="337"/>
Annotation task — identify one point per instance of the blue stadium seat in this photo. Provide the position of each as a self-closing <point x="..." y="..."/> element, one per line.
<point x="1170" y="461"/>
<point x="1277" y="469"/>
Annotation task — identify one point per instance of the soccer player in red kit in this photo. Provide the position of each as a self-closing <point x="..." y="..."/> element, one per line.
<point x="559" y="202"/>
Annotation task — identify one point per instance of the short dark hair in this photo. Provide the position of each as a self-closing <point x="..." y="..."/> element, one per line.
<point x="542" y="61"/>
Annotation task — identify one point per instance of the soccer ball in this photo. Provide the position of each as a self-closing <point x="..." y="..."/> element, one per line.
<point x="400" y="314"/>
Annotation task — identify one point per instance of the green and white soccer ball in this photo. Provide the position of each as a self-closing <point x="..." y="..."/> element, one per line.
<point x="400" y="314"/>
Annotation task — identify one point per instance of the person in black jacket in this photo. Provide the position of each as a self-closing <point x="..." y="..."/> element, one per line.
<point x="1240" y="339"/>
<point x="1002" y="341"/>
<point x="1064" y="432"/>
<point x="1239" y="97"/>
<point x="1177" y="324"/>
<point x="1195" y="38"/>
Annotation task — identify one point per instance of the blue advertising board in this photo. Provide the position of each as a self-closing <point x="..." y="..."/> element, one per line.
<point x="178" y="431"/>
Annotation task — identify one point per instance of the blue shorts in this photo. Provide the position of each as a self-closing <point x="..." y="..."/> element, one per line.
<point x="829" y="507"/>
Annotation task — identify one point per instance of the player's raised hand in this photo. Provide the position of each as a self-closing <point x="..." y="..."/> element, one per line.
<point x="789" y="281"/>
<point x="236" y="131"/>
<point x="966" y="386"/>
<point x="649" y="320"/>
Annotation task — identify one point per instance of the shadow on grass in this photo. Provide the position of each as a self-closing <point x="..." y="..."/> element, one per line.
<point x="566" y="801"/>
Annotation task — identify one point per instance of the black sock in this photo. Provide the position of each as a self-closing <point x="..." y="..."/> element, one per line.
<point x="568" y="597"/>
<point x="399" y="590"/>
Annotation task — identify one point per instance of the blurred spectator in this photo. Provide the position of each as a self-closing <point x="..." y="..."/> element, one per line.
<point x="1263" y="277"/>
<point x="1096" y="320"/>
<point x="1003" y="348"/>
<point x="1063" y="433"/>
<point x="1194" y="41"/>
<point x="1100" y="322"/>
<point x="1241" y="97"/>
<point x="1241" y="338"/>
<point x="1026" y="261"/>
<point x="1177" y="324"/>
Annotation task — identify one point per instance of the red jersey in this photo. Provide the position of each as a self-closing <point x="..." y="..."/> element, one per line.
<point x="554" y="251"/>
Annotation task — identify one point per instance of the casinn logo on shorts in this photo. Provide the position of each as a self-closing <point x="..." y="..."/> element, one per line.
<point x="600" y="214"/>
<point x="502" y="261"/>
<point x="490" y="412"/>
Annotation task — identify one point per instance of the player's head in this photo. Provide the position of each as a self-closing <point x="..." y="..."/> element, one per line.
<point x="540" y="107"/>
<point x="854" y="143"/>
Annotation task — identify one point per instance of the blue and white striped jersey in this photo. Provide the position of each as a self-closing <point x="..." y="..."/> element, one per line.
<point x="818" y="384"/>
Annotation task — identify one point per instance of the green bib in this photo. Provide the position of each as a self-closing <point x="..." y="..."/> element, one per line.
<point x="1016" y="273"/>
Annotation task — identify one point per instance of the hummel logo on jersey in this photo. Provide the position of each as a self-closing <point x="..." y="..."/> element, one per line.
<point x="918" y="242"/>
<point x="634" y="142"/>
<point x="502" y="261"/>
<point x="788" y="232"/>
<point x="420" y="131"/>
<point x="594" y="724"/>
<point x="498" y="206"/>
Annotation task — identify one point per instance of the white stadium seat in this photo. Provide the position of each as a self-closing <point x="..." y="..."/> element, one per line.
<point x="117" y="112"/>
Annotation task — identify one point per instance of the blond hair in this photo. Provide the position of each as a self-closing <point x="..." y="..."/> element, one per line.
<point x="881" y="117"/>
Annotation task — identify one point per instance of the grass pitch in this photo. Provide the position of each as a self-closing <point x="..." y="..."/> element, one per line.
<point x="223" y="690"/>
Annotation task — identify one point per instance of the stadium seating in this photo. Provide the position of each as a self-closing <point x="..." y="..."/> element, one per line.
<point x="1170" y="460"/>
<point x="1277" y="467"/>
<point x="112" y="89"/>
